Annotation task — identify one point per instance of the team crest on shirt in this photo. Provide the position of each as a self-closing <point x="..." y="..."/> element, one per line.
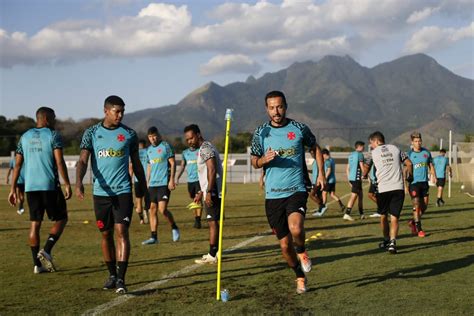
<point x="425" y="155"/>
<point x="291" y="135"/>
<point x="120" y="137"/>
<point x="159" y="150"/>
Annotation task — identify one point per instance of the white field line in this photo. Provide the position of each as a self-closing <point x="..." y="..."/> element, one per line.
<point x="154" y="285"/>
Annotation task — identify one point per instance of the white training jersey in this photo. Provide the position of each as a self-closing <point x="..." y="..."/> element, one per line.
<point x="387" y="160"/>
<point x="208" y="151"/>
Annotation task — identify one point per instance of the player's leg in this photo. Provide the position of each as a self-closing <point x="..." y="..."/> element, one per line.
<point x="36" y="210"/>
<point x="163" y="209"/>
<point x="213" y="217"/>
<point x="350" y="204"/>
<point x="296" y="226"/>
<point x="336" y="198"/>
<point x="20" y="193"/>
<point x="289" y="254"/>
<point x="139" y="209"/>
<point x="360" y="205"/>
<point x="153" y="217"/>
<point x="395" y="208"/>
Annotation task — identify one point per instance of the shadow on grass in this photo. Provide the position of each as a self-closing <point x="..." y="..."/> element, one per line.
<point x="12" y="229"/>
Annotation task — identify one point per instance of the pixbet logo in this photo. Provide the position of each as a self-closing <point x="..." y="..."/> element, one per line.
<point x="106" y="153"/>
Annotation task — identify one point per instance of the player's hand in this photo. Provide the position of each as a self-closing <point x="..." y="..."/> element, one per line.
<point x="209" y="199"/>
<point x="12" y="197"/>
<point x="409" y="178"/>
<point x="68" y="194"/>
<point x="198" y="197"/>
<point x="171" y="185"/>
<point x="269" y="155"/>
<point x="321" y="181"/>
<point x="80" y="191"/>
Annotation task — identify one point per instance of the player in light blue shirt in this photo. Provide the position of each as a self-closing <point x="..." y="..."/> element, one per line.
<point x="20" y="185"/>
<point x="316" y="193"/>
<point x="141" y="209"/>
<point x="279" y="147"/>
<point x="189" y="162"/>
<point x="40" y="154"/>
<point x="330" y="173"/>
<point x="442" y="167"/>
<point x="111" y="145"/>
<point x="354" y="169"/>
<point x="160" y="174"/>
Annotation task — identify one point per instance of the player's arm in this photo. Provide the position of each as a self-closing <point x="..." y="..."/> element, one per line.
<point x="61" y="165"/>
<point x="211" y="178"/>
<point x="260" y="161"/>
<point x="347" y="172"/>
<point x="321" y="180"/>
<point x="148" y="173"/>
<point x="138" y="169"/>
<point x="432" y="171"/>
<point x="408" y="172"/>
<point x="172" y="163"/>
<point x="8" y="175"/>
<point x="181" y="169"/>
<point x="449" y="170"/>
<point x="130" y="170"/>
<point x="16" y="174"/>
<point x="81" y="169"/>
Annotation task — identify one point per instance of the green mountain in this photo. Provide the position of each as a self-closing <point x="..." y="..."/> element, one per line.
<point x="339" y="99"/>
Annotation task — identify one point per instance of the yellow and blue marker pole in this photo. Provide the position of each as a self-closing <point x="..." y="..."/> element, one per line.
<point x="228" y="118"/>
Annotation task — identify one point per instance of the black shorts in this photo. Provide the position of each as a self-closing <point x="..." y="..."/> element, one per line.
<point x="440" y="182"/>
<point x="419" y="190"/>
<point x="317" y="191"/>
<point x="373" y="188"/>
<point x="356" y="186"/>
<point x="390" y="202"/>
<point x="158" y="194"/>
<point x="213" y="213"/>
<point x="193" y="189"/>
<point x="52" y="202"/>
<point x="21" y="187"/>
<point x="330" y="187"/>
<point x="278" y="210"/>
<point x="110" y="210"/>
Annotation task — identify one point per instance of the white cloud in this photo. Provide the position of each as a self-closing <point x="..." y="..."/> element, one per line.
<point x="230" y="63"/>
<point x="431" y="38"/>
<point x="418" y="16"/>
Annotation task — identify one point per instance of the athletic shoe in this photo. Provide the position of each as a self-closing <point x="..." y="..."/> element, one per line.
<point x="305" y="261"/>
<point x="376" y="214"/>
<point x="39" y="269"/>
<point x="175" y="233"/>
<point x="323" y="210"/>
<point x="121" y="288"/>
<point x="347" y="217"/>
<point x="110" y="283"/>
<point x="384" y="245"/>
<point x="150" y="241"/>
<point x="392" y="247"/>
<point x="207" y="259"/>
<point x="421" y="233"/>
<point x="145" y="216"/>
<point x="46" y="260"/>
<point x="362" y="216"/>
<point x="20" y="211"/>
<point x="316" y="214"/>
<point x="411" y="224"/>
<point x="301" y="285"/>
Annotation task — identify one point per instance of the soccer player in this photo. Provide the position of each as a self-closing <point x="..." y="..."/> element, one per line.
<point x="210" y="180"/>
<point x="442" y="167"/>
<point x="372" y="195"/>
<point x="387" y="160"/>
<point x="354" y="175"/>
<point x="142" y="210"/>
<point x="189" y="162"/>
<point x="20" y="185"/>
<point x="40" y="154"/>
<point x="111" y="145"/>
<point x="316" y="194"/>
<point x="160" y="173"/>
<point x="278" y="146"/>
<point x="330" y="173"/>
<point x="419" y="188"/>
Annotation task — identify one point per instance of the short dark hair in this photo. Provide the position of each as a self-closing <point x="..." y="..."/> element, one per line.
<point x="442" y="150"/>
<point x="113" y="100"/>
<point x="153" y="130"/>
<point x="325" y="152"/>
<point x="45" y="111"/>
<point x="359" y="143"/>
<point x="377" y="136"/>
<point x="275" y="94"/>
<point x="142" y="141"/>
<point x="193" y="127"/>
<point x="415" y="135"/>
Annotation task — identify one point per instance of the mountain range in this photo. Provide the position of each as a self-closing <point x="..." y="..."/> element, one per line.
<point x="340" y="100"/>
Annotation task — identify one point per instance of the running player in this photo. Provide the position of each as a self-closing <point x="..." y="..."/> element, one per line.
<point x="279" y="147"/>
<point x="160" y="173"/>
<point x="40" y="152"/>
<point x="20" y="186"/>
<point x="111" y="145"/>
<point x="189" y="162"/>
<point x="419" y="188"/>
<point x="442" y="167"/>
<point x="142" y="210"/>
<point x="372" y="195"/>
<point x="330" y="173"/>
<point x="354" y="175"/>
<point x="316" y="194"/>
<point x="388" y="160"/>
<point x="210" y="180"/>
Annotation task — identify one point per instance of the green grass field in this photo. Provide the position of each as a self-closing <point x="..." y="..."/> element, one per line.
<point x="434" y="275"/>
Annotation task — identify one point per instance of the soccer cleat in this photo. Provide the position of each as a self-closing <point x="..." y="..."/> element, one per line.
<point x="411" y="224"/>
<point x="110" y="283"/>
<point x="150" y="241"/>
<point x="347" y="217"/>
<point x="39" y="269"/>
<point x="323" y="210"/>
<point x="121" y="288"/>
<point x="362" y="216"/>
<point x="376" y="214"/>
<point x="46" y="260"/>
<point x="317" y="214"/>
<point x="20" y="211"/>
<point x="175" y="234"/>
<point x="301" y="285"/>
<point x="384" y="245"/>
<point x="207" y="259"/>
<point x="421" y="234"/>
<point x="305" y="261"/>
<point x="392" y="247"/>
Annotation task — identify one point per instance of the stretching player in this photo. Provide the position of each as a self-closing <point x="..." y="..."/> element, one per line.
<point x="20" y="185"/>
<point x="111" y="145"/>
<point x="354" y="175"/>
<point x="279" y="147"/>
<point x="442" y="167"/>
<point x="40" y="152"/>
<point x="419" y="188"/>
<point x="160" y="174"/>
<point x="330" y="187"/>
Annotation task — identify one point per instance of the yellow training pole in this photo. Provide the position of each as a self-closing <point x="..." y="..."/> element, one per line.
<point x="228" y="118"/>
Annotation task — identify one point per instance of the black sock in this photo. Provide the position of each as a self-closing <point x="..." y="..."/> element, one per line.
<point x="348" y="210"/>
<point x="361" y="212"/>
<point x="173" y="226"/>
<point x="154" y="235"/>
<point x="34" y="254"/>
<point x="112" y="267"/>
<point x="213" y="250"/>
<point x="300" y="249"/>
<point x="140" y="215"/>
<point x="20" y="206"/>
<point x="121" y="269"/>
<point x="52" y="239"/>
<point x="340" y="203"/>
<point x="197" y="218"/>
<point x="298" y="271"/>
<point x="393" y="241"/>
<point x="418" y="225"/>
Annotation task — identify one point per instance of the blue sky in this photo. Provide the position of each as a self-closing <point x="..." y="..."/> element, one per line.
<point x="70" y="55"/>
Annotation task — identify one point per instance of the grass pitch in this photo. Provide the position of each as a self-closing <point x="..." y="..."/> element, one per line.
<point x="433" y="275"/>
